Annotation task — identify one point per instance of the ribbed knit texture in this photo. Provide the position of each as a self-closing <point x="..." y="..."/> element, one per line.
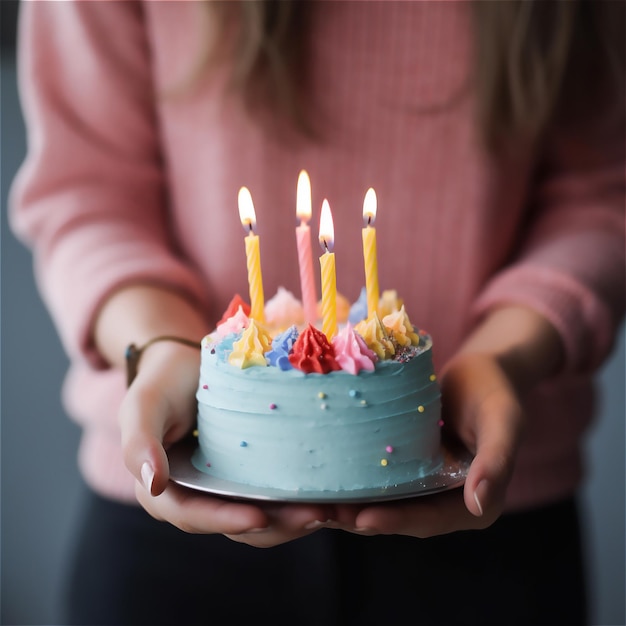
<point x="125" y="183"/>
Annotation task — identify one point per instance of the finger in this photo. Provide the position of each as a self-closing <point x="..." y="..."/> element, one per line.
<point x="241" y="522"/>
<point x="288" y="522"/>
<point x="483" y="409"/>
<point x="199" y="513"/>
<point x="422" y="517"/>
<point x="498" y="431"/>
<point x="295" y="517"/>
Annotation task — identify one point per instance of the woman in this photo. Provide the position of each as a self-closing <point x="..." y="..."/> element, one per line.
<point x="501" y="224"/>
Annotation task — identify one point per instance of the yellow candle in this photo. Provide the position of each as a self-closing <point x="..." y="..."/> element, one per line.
<point x="253" y="255"/>
<point x="329" y="277"/>
<point x="369" y="251"/>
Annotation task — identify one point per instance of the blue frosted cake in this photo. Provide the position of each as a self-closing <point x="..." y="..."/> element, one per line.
<point x="284" y="407"/>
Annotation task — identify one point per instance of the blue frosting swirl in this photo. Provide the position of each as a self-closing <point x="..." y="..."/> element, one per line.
<point x="282" y="344"/>
<point x="225" y="346"/>
<point x="358" y="311"/>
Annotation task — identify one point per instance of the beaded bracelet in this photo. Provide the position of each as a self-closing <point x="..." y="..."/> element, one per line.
<point x="133" y="353"/>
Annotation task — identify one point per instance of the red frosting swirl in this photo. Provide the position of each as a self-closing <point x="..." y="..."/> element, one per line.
<point x="233" y="307"/>
<point x="313" y="353"/>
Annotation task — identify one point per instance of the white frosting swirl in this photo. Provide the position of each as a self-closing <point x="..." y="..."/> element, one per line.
<point x="283" y="310"/>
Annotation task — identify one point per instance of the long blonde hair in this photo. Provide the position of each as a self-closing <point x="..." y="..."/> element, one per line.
<point x="531" y="54"/>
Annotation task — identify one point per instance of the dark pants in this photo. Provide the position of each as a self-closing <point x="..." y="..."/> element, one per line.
<point x="130" y="569"/>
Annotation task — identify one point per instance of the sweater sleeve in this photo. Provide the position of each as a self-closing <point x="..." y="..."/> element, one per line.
<point x="90" y="198"/>
<point x="570" y="266"/>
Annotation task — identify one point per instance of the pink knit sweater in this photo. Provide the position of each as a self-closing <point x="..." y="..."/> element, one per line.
<point x="126" y="180"/>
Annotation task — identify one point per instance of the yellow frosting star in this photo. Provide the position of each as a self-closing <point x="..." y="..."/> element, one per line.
<point x="397" y="324"/>
<point x="389" y="302"/>
<point x="375" y="337"/>
<point x="251" y="348"/>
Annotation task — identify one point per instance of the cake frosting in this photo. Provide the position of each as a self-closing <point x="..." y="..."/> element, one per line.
<point x="288" y="409"/>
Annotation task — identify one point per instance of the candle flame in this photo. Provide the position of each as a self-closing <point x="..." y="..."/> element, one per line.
<point x="369" y="207"/>
<point x="303" y="197"/>
<point x="246" y="209"/>
<point x="327" y="230"/>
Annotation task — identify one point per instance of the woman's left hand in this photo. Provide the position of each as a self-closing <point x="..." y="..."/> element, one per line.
<point x="511" y="351"/>
<point x="483" y="411"/>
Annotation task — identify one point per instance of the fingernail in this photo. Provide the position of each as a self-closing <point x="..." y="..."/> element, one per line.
<point x="315" y="524"/>
<point x="147" y="476"/>
<point x="479" y="494"/>
<point x="257" y="530"/>
<point x="364" y="529"/>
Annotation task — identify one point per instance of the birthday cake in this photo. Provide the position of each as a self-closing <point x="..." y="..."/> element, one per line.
<point x="282" y="406"/>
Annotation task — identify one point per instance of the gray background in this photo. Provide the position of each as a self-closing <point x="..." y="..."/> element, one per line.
<point x="40" y="488"/>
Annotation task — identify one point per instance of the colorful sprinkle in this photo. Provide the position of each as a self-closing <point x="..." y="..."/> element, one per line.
<point x="208" y="464"/>
<point x="384" y="462"/>
<point x="363" y="402"/>
<point x="353" y="393"/>
<point x="389" y="449"/>
<point x="321" y="395"/>
<point x="323" y="406"/>
<point x="404" y="356"/>
<point x="212" y="350"/>
<point x="205" y="386"/>
<point x="243" y="444"/>
<point x="433" y="378"/>
<point x="440" y="422"/>
<point x="272" y="406"/>
<point x="420" y="408"/>
<point x="195" y="432"/>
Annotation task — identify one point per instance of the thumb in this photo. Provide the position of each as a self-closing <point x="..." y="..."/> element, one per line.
<point x="146" y="427"/>
<point x="498" y="429"/>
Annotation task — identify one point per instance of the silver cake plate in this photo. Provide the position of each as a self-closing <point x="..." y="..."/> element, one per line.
<point x="450" y="475"/>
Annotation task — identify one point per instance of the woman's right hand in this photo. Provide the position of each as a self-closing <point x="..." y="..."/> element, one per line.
<point x="158" y="410"/>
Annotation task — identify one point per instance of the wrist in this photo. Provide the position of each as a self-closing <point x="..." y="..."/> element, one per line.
<point x="135" y="353"/>
<point x="171" y="370"/>
<point x="136" y="314"/>
<point x="525" y="345"/>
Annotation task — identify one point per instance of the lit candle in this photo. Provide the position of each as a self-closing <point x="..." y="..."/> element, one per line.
<point x="329" y="279"/>
<point x="369" y="251"/>
<point x="253" y="254"/>
<point x="305" y="255"/>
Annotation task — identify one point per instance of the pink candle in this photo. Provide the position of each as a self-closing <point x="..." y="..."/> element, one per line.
<point x="305" y="256"/>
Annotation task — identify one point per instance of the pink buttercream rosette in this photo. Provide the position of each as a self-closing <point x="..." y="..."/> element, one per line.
<point x="351" y="351"/>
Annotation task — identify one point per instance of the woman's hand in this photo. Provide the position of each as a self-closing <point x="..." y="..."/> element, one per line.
<point x="158" y="410"/>
<point x="483" y="411"/>
<point x="512" y="350"/>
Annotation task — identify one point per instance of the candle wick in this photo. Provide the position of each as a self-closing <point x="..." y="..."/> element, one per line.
<point x="325" y="244"/>
<point x="250" y="231"/>
<point x="369" y="220"/>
